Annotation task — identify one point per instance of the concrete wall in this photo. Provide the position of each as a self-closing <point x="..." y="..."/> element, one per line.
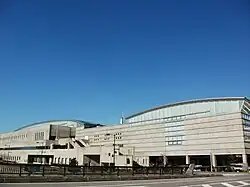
<point x="27" y="137"/>
<point x="221" y="134"/>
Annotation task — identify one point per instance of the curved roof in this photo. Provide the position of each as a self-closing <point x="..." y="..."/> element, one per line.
<point x="82" y="123"/>
<point x="188" y="102"/>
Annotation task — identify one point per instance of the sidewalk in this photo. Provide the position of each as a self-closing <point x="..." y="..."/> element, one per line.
<point x="41" y="179"/>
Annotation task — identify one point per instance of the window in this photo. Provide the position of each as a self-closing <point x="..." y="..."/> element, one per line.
<point x="39" y="136"/>
<point x="246" y="122"/>
<point x="128" y="161"/>
<point x="174" y="140"/>
<point x="245" y="116"/>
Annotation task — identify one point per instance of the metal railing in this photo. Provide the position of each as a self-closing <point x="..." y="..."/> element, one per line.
<point x="65" y="170"/>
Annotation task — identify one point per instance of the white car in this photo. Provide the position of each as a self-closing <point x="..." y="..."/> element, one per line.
<point x="239" y="167"/>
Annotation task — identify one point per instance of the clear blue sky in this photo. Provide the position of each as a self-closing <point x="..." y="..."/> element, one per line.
<point x="92" y="60"/>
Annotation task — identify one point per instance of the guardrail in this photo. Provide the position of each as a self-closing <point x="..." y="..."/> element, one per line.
<point x="64" y="170"/>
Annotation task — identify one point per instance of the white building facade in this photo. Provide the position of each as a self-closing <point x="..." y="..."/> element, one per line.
<point x="207" y="131"/>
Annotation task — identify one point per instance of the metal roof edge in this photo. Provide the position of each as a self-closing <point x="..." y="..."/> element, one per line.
<point x="50" y="121"/>
<point x="187" y="102"/>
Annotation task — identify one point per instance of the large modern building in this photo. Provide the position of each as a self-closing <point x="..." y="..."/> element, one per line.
<point x="206" y="131"/>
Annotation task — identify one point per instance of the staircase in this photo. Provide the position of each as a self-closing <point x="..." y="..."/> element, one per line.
<point x="136" y="159"/>
<point x="80" y="142"/>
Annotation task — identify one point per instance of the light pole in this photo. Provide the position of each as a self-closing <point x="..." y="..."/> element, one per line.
<point x="114" y="150"/>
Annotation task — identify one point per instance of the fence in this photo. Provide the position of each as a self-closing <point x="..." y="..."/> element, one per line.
<point x="65" y="170"/>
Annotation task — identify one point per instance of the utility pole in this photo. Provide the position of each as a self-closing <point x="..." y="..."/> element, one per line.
<point x="114" y="151"/>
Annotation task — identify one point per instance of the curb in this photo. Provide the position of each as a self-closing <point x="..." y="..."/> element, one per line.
<point x="40" y="179"/>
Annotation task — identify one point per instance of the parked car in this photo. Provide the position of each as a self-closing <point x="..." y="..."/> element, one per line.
<point x="197" y="167"/>
<point x="238" y="167"/>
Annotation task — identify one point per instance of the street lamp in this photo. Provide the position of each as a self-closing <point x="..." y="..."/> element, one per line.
<point x="114" y="136"/>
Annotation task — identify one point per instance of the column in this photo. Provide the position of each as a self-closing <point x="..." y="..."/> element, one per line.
<point x="244" y="159"/>
<point x="50" y="160"/>
<point x="43" y="160"/>
<point x="187" y="159"/>
<point x="213" y="162"/>
<point x="245" y="163"/>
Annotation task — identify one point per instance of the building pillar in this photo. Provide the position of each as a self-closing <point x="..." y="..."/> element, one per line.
<point x="244" y="159"/>
<point x="187" y="160"/>
<point x="50" y="161"/>
<point x="213" y="162"/>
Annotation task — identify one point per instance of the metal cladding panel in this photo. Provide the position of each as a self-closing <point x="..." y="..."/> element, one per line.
<point x="199" y="109"/>
<point x="245" y="107"/>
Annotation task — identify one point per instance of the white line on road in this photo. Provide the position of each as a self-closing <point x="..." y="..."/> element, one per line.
<point x="123" y="185"/>
<point x="214" y="182"/>
<point x="206" y="185"/>
<point x="227" y="185"/>
<point x="243" y="183"/>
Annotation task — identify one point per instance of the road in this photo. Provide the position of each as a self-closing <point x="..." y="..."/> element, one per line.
<point x="226" y="181"/>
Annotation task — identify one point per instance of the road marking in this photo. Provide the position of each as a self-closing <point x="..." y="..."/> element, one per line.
<point x="226" y="184"/>
<point x="243" y="183"/>
<point x="123" y="185"/>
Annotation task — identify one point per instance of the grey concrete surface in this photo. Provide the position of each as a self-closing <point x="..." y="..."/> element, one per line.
<point x="226" y="181"/>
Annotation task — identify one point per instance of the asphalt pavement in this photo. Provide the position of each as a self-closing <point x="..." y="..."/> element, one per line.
<point x="225" y="181"/>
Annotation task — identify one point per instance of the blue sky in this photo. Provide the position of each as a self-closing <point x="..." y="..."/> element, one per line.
<point x="93" y="60"/>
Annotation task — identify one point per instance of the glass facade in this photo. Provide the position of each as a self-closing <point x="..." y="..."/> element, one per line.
<point x="246" y="126"/>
